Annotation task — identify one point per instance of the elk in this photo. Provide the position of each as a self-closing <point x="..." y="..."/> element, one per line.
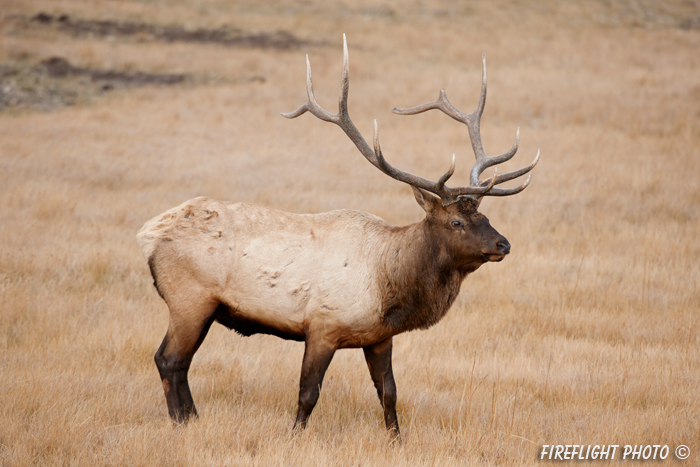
<point x="340" y="279"/>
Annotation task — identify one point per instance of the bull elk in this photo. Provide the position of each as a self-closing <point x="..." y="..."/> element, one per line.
<point x="341" y="279"/>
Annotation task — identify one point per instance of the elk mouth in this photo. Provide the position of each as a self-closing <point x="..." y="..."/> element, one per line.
<point x="494" y="257"/>
<point x="502" y="249"/>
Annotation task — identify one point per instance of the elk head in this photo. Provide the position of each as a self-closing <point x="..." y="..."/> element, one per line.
<point x="452" y="219"/>
<point x="463" y="236"/>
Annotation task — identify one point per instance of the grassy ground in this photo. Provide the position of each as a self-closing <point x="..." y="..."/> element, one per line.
<point x="586" y="334"/>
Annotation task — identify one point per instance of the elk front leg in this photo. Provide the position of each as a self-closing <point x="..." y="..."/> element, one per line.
<point x="378" y="357"/>
<point x="173" y="360"/>
<point x="317" y="356"/>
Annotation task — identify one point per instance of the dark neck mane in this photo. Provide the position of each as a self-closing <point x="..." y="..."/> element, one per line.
<point x="419" y="281"/>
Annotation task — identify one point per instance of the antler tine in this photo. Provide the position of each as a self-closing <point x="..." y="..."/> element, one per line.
<point x="344" y="82"/>
<point x="483" y="162"/>
<point x="515" y="173"/>
<point x="509" y="191"/>
<point x="384" y="166"/>
<point x="482" y="94"/>
<point x="446" y="176"/>
<point x="441" y="103"/>
<point x="312" y="105"/>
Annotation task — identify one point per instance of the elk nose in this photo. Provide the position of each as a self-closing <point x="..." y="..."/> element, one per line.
<point x="503" y="246"/>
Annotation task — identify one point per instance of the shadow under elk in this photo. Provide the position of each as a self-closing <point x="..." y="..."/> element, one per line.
<point x="341" y="279"/>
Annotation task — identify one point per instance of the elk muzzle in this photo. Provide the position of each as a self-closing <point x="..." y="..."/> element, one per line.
<point x="500" y="251"/>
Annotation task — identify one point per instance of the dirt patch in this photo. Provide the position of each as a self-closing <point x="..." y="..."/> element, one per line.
<point x="228" y="36"/>
<point x="55" y="82"/>
<point x="692" y="22"/>
<point x="57" y="67"/>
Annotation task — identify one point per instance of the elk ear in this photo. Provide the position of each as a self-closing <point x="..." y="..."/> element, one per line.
<point x="427" y="201"/>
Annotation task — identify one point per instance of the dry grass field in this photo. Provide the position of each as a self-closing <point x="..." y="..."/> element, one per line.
<point x="588" y="333"/>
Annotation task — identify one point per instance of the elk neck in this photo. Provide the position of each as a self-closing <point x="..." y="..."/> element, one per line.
<point x="419" y="279"/>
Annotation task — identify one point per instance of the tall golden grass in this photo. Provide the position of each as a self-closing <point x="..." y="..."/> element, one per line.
<point x="587" y="334"/>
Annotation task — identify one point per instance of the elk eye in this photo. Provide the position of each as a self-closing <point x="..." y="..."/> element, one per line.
<point x="457" y="224"/>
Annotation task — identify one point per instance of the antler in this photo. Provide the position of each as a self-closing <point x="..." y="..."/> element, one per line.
<point x="375" y="157"/>
<point x="473" y="122"/>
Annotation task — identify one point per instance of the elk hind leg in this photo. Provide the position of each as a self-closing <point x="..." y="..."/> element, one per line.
<point x="185" y="334"/>
<point x="378" y="357"/>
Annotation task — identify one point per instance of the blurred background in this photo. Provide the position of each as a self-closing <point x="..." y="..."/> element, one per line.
<point x="112" y="112"/>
